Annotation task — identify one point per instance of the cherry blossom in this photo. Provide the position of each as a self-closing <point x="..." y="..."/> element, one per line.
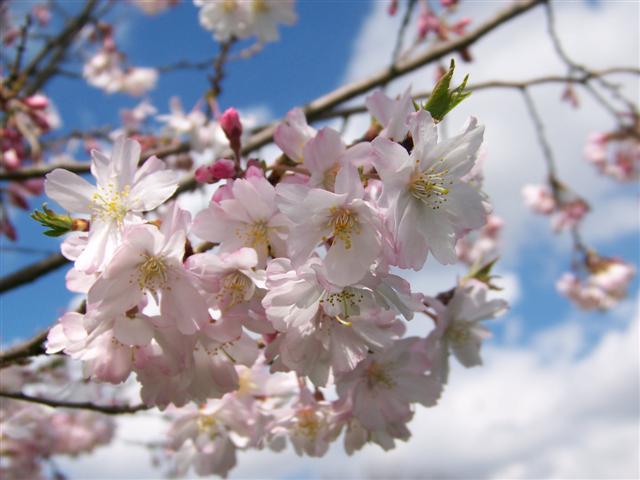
<point x="122" y="192"/>
<point x="429" y="206"/>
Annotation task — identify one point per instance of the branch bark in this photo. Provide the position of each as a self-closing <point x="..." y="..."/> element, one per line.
<point x="106" y="409"/>
<point x="31" y="348"/>
<point x="32" y="272"/>
<point x="317" y="108"/>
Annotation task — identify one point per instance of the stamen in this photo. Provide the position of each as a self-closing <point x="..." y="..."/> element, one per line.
<point x="457" y="333"/>
<point x="344" y="223"/>
<point x="152" y="273"/>
<point x="429" y="186"/>
<point x="376" y="375"/>
<point x="110" y="204"/>
<point x="234" y="288"/>
<point x="308" y="422"/>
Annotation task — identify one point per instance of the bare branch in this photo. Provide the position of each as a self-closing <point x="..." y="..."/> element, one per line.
<point x="319" y="107"/>
<point x="32" y="272"/>
<point x="542" y="138"/>
<point x="106" y="409"/>
<point x="30" y="348"/>
<point x="57" y="47"/>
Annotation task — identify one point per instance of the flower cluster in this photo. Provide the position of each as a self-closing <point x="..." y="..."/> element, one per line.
<point x="566" y="208"/>
<point x="603" y="285"/>
<point x="294" y="280"/>
<point x="616" y="155"/>
<point x="105" y="70"/>
<point x="33" y="433"/>
<point x="239" y="19"/>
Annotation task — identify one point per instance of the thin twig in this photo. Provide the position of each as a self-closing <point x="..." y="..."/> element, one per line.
<point x="56" y="45"/>
<point x="402" y="30"/>
<point x="542" y="138"/>
<point x="106" y="409"/>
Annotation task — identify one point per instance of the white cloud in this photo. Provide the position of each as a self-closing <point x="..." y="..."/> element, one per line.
<point x="549" y="410"/>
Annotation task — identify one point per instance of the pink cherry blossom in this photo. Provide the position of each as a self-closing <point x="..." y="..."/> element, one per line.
<point x="293" y="134"/>
<point x="392" y="114"/>
<point x="458" y="329"/>
<point x="250" y="219"/>
<point x="122" y="193"/>
<point x="428" y="203"/>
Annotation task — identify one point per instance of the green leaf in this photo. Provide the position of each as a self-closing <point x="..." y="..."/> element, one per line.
<point x="443" y="100"/>
<point x="483" y="274"/>
<point x="56" y="224"/>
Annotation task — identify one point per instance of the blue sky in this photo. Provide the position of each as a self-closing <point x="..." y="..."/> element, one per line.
<point x="334" y="42"/>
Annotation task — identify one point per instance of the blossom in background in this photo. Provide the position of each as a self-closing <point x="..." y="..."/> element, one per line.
<point x="154" y="7"/>
<point x="603" y="287"/>
<point x="104" y="70"/>
<point x="458" y="329"/>
<point x="245" y="18"/>
<point x="617" y="156"/>
<point x="565" y="207"/>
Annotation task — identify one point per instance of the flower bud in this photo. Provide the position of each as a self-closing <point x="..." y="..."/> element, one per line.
<point x="223" y="168"/>
<point x="232" y="128"/>
<point x="37" y="102"/>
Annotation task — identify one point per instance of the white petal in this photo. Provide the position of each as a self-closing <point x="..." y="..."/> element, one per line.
<point x="70" y="191"/>
<point x="153" y="190"/>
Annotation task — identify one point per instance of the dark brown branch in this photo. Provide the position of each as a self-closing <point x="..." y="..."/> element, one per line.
<point x="56" y="47"/>
<point x="32" y="272"/>
<point x="106" y="409"/>
<point x="30" y="348"/>
<point x="218" y="68"/>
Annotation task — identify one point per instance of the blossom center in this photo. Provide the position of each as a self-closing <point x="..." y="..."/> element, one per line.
<point x="348" y="300"/>
<point x="429" y="186"/>
<point x="260" y="6"/>
<point x="258" y="234"/>
<point x="207" y="425"/>
<point x="344" y="224"/>
<point x="457" y="333"/>
<point x="329" y="177"/>
<point x="308" y="423"/>
<point x="234" y="288"/>
<point x="110" y="204"/>
<point x="377" y="375"/>
<point x="228" y="6"/>
<point x="152" y="273"/>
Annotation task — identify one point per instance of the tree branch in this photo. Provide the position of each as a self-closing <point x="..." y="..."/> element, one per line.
<point x="319" y="107"/>
<point x="30" y="348"/>
<point x="106" y="409"/>
<point x="32" y="272"/>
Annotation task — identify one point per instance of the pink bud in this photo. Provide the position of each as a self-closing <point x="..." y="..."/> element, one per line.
<point x="10" y="159"/>
<point x="204" y="175"/>
<point x="35" y="186"/>
<point x="223" y="168"/>
<point x="8" y="229"/>
<point x="37" y="102"/>
<point x="42" y="14"/>
<point x="254" y="172"/>
<point x="460" y="26"/>
<point x="224" y="192"/>
<point x="16" y="197"/>
<point x="230" y="123"/>
<point x="393" y="7"/>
